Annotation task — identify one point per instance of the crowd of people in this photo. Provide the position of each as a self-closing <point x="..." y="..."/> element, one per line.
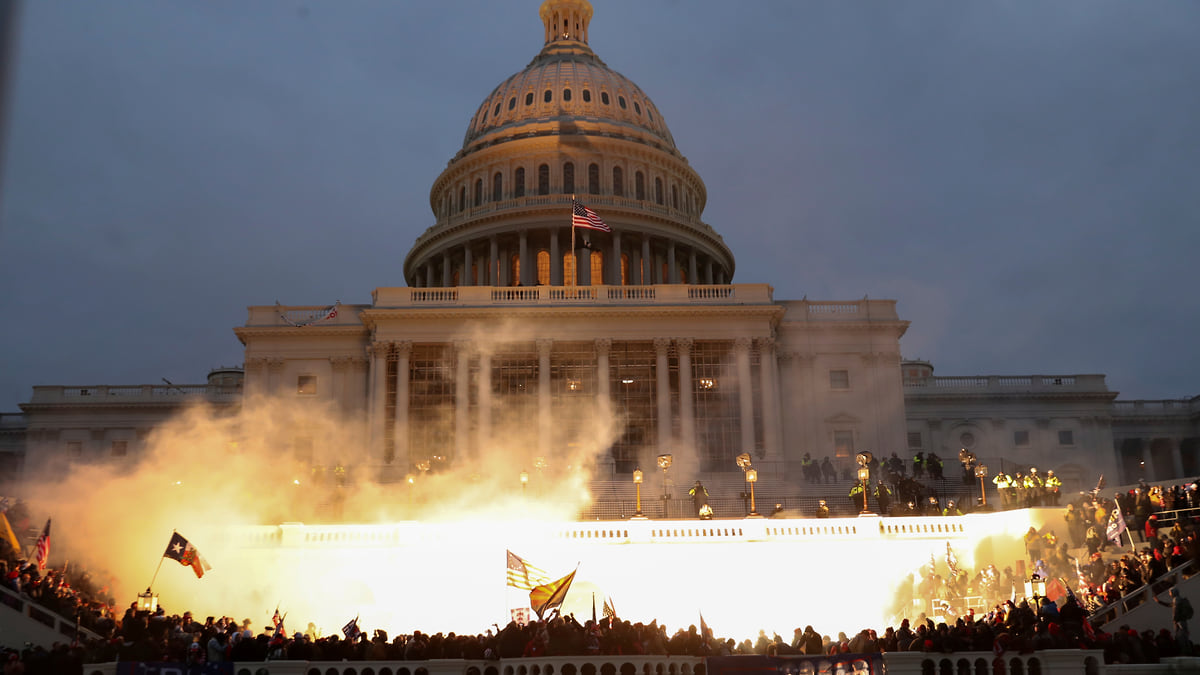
<point x="1098" y="573"/>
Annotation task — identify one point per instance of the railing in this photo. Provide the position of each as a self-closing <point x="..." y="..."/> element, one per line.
<point x="476" y="296"/>
<point x="31" y="610"/>
<point x="1141" y="407"/>
<point x="103" y="394"/>
<point x="999" y="383"/>
<point x="1143" y="594"/>
<point x="895" y="663"/>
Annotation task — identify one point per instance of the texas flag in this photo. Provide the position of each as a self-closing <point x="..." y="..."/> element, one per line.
<point x="182" y="551"/>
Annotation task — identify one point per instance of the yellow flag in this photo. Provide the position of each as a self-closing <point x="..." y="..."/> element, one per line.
<point x="6" y="532"/>
<point x="550" y="596"/>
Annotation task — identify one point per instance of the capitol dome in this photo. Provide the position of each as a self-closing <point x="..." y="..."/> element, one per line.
<point x="567" y="127"/>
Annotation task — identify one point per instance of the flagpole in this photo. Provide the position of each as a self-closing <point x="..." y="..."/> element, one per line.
<point x="574" y="259"/>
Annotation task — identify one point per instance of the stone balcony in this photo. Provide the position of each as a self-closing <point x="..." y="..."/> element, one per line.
<point x="133" y="394"/>
<point x="1004" y="384"/>
<point x="1182" y="408"/>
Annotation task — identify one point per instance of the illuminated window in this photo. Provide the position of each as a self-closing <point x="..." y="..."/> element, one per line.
<point x="515" y="268"/>
<point x="519" y="182"/>
<point x="543" y="267"/>
<point x="843" y="443"/>
<point x="119" y="448"/>
<point x="568" y="178"/>
<point x="839" y="379"/>
<point x="306" y="385"/>
<point x="597" y="267"/>
<point x="624" y="269"/>
<point x="497" y="187"/>
<point x="1021" y="439"/>
<point x="568" y="269"/>
<point x="618" y="185"/>
<point x="544" y="179"/>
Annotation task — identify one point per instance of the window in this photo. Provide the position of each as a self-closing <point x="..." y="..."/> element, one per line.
<point x="604" y="97"/>
<point x="462" y="197"/>
<point x="543" y="267"/>
<point x="529" y="98"/>
<point x="544" y="179"/>
<point x="839" y="379"/>
<point x="497" y="187"/>
<point x="120" y="448"/>
<point x="306" y="385"/>
<point x="914" y="440"/>
<point x="478" y="191"/>
<point x="548" y="96"/>
<point x="621" y="102"/>
<point x="587" y="95"/>
<point x="568" y="178"/>
<point x="618" y="182"/>
<point x="515" y="268"/>
<point x="519" y="182"/>
<point x="637" y="108"/>
<point x="74" y="448"/>
<point x="1021" y="439"/>
<point x="566" y="94"/>
<point x="639" y="185"/>
<point x="496" y="113"/>
<point x="658" y="192"/>
<point x="675" y="197"/>
<point x="843" y="443"/>
<point x="1066" y="437"/>
<point x="512" y="103"/>
<point x="594" y="179"/>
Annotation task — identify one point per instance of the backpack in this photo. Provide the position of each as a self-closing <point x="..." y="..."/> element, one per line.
<point x="1185" y="609"/>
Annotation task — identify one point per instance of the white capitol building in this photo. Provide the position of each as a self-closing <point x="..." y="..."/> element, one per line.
<point x="499" y="327"/>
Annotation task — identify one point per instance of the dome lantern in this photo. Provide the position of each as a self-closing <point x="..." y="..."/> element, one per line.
<point x="566" y="20"/>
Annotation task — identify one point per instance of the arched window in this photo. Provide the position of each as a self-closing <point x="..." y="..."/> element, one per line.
<point x="637" y="108"/>
<point x="462" y="197"/>
<point x="568" y="178"/>
<point x="515" y="265"/>
<point x="618" y="188"/>
<point x="548" y="96"/>
<point x="543" y="267"/>
<point x="519" y="182"/>
<point x="455" y="278"/>
<point x="529" y="98"/>
<point x="497" y="187"/>
<point x="621" y="102"/>
<point x="512" y="103"/>
<point x="496" y="113"/>
<point x="566" y="94"/>
<point x="658" y="196"/>
<point x="593" y="179"/>
<point x="624" y="269"/>
<point x="568" y="268"/>
<point x="587" y="95"/>
<point x="597" y="267"/>
<point x="478" y="191"/>
<point x="604" y="97"/>
<point x="639" y="185"/>
<point x="544" y="179"/>
<point x="675" y="197"/>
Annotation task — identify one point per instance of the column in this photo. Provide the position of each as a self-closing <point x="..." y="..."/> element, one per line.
<point x="462" y="400"/>
<point x="708" y="271"/>
<point x="687" y="400"/>
<point x="467" y="279"/>
<point x="692" y="278"/>
<point x="741" y="354"/>
<point x="543" y="350"/>
<point x="602" y="347"/>
<point x="378" y="353"/>
<point x="447" y="270"/>
<point x="647" y="267"/>
<point x="614" y="266"/>
<point x="428" y="274"/>
<point x="400" y="414"/>
<point x="672" y="268"/>
<point x="493" y="262"/>
<point x="769" y="372"/>
<point x="484" y="433"/>
<point x="662" y="378"/>
<point x="523" y="256"/>
<point x="556" y="263"/>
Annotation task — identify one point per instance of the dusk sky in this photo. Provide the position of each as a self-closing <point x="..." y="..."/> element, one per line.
<point x="1022" y="177"/>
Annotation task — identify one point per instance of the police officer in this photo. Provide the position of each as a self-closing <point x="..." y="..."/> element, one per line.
<point x="883" y="497"/>
<point x="1004" y="486"/>
<point x="1053" y="484"/>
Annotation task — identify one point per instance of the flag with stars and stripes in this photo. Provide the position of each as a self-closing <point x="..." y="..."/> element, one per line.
<point x="522" y="575"/>
<point x="582" y="216"/>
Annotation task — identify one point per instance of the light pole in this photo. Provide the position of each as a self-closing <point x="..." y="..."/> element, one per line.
<point x="637" y="483"/>
<point x="981" y="473"/>
<point x="752" y="478"/>
<point x="664" y="463"/>
<point x="864" y="478"/>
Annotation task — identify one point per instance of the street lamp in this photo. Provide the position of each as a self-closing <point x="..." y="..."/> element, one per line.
<point x="864" y="477"/>
<point x="743" y="463"/>
<point x="637" y="483"/>
<point x="147" y="602"/>
<point x="981" y="473"/>
<point x="752" y="478"/>
<point x="524" y="481"/>
<point x="664" y="463"/>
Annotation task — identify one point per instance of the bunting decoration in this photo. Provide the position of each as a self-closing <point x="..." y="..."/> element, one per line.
<point x="316" y="316"/>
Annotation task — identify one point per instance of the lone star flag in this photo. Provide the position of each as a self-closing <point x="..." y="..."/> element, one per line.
<point x="550" y="596"/>
<point x="522" y="575"/>
<point x="582" y="216"/>
<point x="182" y="551"/>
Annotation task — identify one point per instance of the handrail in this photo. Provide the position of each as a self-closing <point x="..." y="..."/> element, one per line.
<point x="1142" y="594"/>
<point x="43" y="615"/>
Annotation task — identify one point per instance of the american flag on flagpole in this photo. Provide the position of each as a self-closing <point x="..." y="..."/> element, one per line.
<point x="582" y="216"/>
<point x="41" y="549"/>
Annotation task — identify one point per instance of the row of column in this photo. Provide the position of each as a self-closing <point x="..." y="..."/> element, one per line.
<point x="497" y="271"/>
<point x="380" y="353"/>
